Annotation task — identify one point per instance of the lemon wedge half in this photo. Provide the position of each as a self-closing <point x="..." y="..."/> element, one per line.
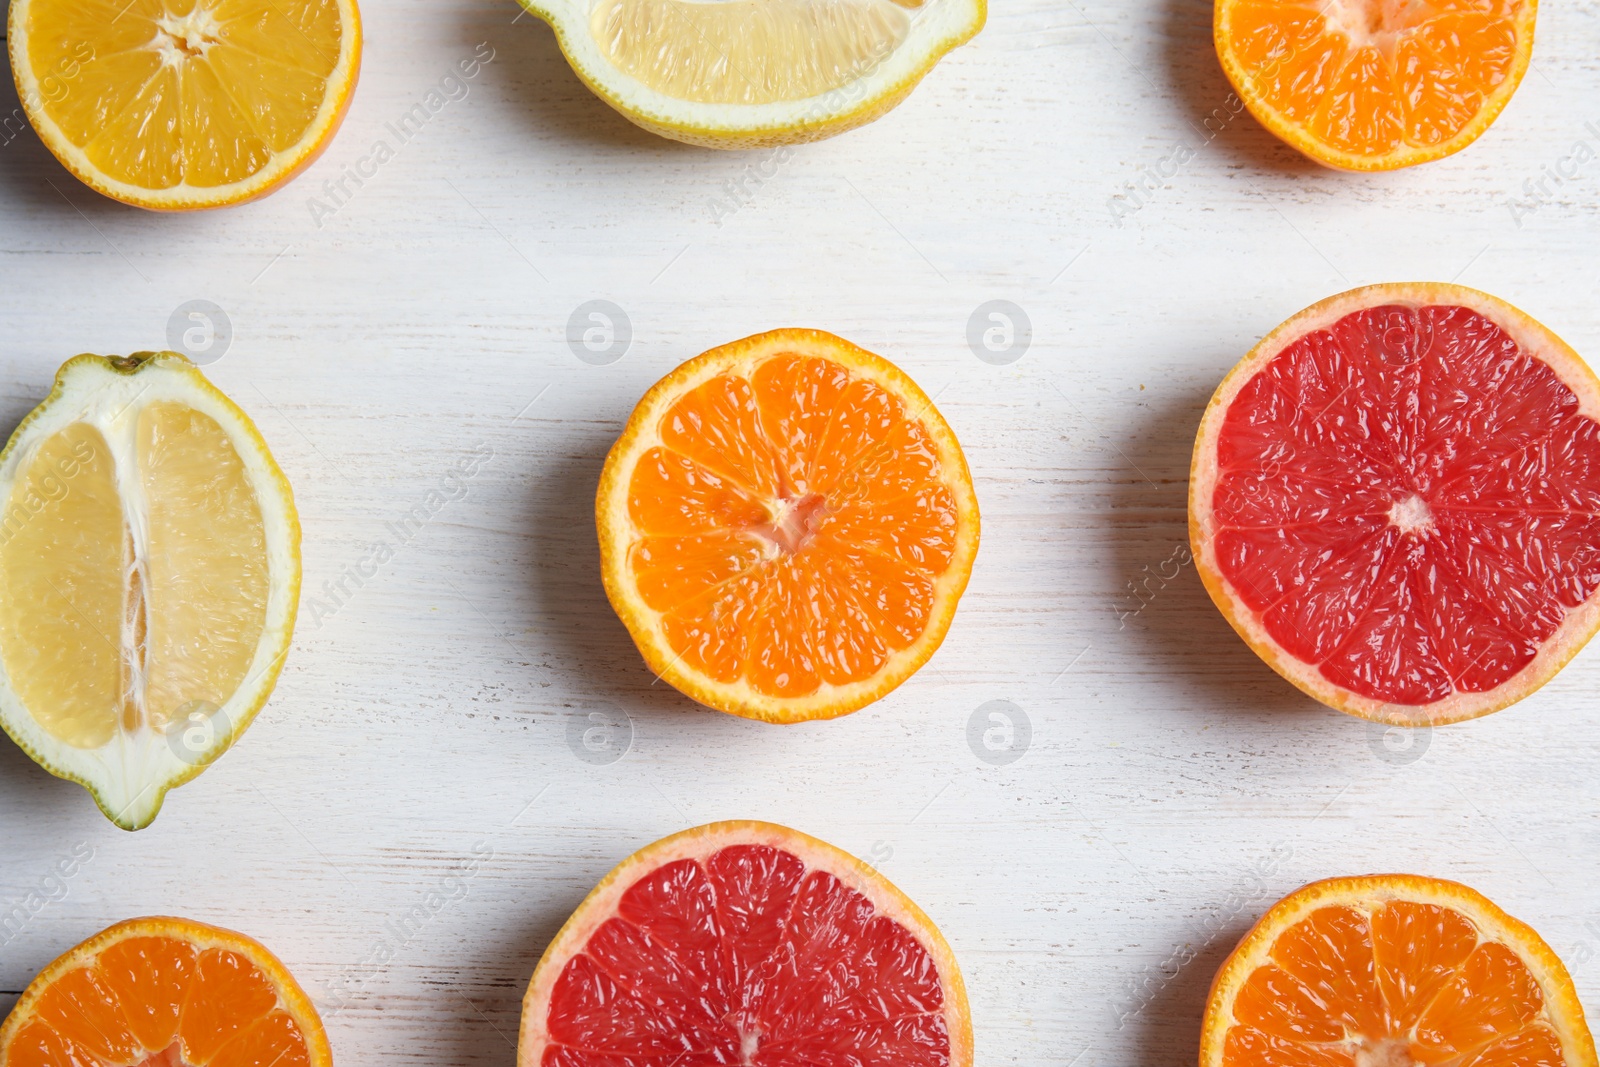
<point x="754" y="73"/>
<point x="149" y="577"/>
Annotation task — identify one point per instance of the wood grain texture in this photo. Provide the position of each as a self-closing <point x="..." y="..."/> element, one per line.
<point x="407" y="823"/>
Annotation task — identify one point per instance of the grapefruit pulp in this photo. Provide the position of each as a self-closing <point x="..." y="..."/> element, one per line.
<point x="1395" y="500"/>
<point x="745" y="943"/>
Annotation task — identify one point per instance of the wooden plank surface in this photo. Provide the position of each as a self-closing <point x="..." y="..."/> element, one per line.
<point x="409" y="820"/>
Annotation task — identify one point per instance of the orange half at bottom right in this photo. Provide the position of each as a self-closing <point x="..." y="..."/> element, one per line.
<point x="1392" y="970"/>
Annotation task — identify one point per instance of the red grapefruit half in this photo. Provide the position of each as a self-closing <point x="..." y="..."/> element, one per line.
<point x="1395" y="500"/>
<point x="746" y="943"/>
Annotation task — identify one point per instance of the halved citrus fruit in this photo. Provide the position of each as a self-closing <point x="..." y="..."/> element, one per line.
<point x="786" y="524"/>
<point x="163" y="992"/>
<point x="746" y="943"/>
<point x="1392" y="970"/>
<point x="750" y="73"/>
<point x="149" y="577"/>
<point x="1395" y="500"/>
<point x="1375" y="84"/>
<point x="182" y="104"/>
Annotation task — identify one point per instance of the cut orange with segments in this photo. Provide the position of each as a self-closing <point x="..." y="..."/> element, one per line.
<point x="164" y="992"/>
<point x="786" y="524"/>
<point x="1375" y="84"/>
<point x="176" y="105"/>
<point x="746" y="943"/>
<point x="1392" y="970"/>
<point x="1395" y="500"/>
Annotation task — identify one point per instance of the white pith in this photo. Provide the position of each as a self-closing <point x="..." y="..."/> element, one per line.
<point x="129" y="776"/>
<point x="1384" y="1052"/>
<point x="935" y="27"/>
<point x="1411" y="515"/>
<point x="181" y="36"/>
<point x="1374" y="23"/>
<point x="794" y="522"/>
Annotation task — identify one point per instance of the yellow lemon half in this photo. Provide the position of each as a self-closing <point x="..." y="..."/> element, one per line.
<point x="753" y="73"/>
<point x="149" y="576"/>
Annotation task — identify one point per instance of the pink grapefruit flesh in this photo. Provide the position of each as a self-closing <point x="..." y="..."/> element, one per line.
<point x="1396" y="501"/>
<point x="746" y="943"/>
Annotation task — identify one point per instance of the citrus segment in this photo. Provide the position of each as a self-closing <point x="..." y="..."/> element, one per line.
<point x="178" y="104"/>
<point x="1375" y="84"/>
<point x="748" y="73"/>
<point x="166" y="992"/>
<point x="205" y="534"/>
<point x="745" y="943"/>
<point x="1392" y="970"/>
<point x="149" y="566"/>
<point x="786" y="525"/>
<point x="63" y="556"/>
<point x="1396" y="500"/>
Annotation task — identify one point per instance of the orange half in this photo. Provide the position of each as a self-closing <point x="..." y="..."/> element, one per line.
<point x="1375" y="84"/>
<point x="1392" y="970"/>
<point x="163" y="992"/>
<point x="176" y="105"/>
<point x="786" y="524"/>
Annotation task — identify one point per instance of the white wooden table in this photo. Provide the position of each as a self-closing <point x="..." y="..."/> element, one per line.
<point x="413" y="793"/>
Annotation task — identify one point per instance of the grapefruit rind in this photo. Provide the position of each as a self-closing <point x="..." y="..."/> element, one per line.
<point x="1295" y="134"/>
<point x="699" y="843"/>
<point x="1562" y="1008"/>
<point x="92" y="389"/>
<point x="1536" y="341"/>
<point x="745" y="126"/>
<point x="291" y="998"/>
<point x="284" y="167"/>
<point x="615" y="530"/>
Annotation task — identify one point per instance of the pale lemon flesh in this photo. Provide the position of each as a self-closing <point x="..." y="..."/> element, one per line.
<point x="748" y="51"/>
<point x="134" y="598"/>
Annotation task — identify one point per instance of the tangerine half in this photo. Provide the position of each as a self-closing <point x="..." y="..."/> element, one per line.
<point x="1392" y="970"/>
<point x="786" y="525"/>
<point x="1375" y="84"/>
<point x="164" y="992"/>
